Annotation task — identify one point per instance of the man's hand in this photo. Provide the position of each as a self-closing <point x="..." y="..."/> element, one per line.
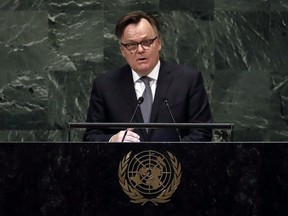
<point x="130" y="136"/>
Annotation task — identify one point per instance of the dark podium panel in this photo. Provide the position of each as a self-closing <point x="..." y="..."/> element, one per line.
<point x="141" y="178"/>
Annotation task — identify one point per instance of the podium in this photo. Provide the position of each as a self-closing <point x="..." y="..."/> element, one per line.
<point x="173" y="178"/>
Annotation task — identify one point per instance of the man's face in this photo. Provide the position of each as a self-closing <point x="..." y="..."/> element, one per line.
<point x="144" y="58"/>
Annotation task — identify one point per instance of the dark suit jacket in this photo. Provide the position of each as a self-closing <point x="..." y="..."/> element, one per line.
<point x="113" y="99"/>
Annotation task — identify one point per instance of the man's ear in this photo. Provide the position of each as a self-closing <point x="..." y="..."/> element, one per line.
<point x="159" y="44"/>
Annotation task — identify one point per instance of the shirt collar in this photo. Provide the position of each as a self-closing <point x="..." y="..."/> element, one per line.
<point x="153" y="74"/>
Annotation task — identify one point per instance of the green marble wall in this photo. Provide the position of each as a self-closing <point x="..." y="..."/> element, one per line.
<point x="52" y="50"/>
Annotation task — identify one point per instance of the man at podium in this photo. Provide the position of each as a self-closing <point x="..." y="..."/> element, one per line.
<point x="147" y="90"/>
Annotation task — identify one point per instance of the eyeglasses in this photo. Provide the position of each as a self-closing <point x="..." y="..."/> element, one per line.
<point x="132" y="47"/>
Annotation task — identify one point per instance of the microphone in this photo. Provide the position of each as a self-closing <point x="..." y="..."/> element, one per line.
<point x="171" y="115"/>
<point x="139" y="102"/>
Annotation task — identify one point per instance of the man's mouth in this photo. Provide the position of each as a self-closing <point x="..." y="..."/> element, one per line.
<point x="142" y="59"/>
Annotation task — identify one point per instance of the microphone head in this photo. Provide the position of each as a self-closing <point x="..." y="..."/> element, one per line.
<point x="140" y="100"/>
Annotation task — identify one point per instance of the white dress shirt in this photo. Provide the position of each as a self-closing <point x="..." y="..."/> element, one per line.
<point x="140" y="86"/>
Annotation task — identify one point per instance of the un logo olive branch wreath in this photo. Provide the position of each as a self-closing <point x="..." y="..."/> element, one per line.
<point x="136" y="196"/>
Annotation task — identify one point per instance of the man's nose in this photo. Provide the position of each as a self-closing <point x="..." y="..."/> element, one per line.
<point x="140" y="48"/>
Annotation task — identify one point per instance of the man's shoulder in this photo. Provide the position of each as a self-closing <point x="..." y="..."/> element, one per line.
<point x="112" y="74"/>
<point x="178" y="68"/>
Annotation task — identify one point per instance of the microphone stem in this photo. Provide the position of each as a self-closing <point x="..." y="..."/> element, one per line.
<point x="171" y="115"/>
<point x="125" y="133"/>
<point x="139" y="102"/>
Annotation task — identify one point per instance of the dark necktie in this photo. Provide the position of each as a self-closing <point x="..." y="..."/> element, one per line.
<point x="146" y="106"/>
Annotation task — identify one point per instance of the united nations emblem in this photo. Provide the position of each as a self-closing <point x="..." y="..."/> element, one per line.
<point x="149" y="176"/>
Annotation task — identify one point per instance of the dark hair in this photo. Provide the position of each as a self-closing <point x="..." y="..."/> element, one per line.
<point x="135" y="17"/>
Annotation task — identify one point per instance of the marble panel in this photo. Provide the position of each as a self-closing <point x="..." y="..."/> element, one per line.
<point x="23" y="5"/>
<point x="278" y="39"/>
<point x="242" y="40"/>
<point x="250" y="44"/>
<point x="64" y="5"/>
<point x="242" y="5"/>
<point x="188" y="39"/>
<point x="69" y="94"/>
<point x="77" y="39"/>
<point x="243" y="98"/>
<point x="24" y="47"/>
<point x="183" y="5"/>
<point x="25" y="54"/>
<point x="279" y="104"/>
<point x="77" y="34"/>
<point x="112" y="54"/>
<point x="129" y="5"/>
<point x="279" y="5"/>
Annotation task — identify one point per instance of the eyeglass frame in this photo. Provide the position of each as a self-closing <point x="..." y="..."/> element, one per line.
<point x="140" y="43"/>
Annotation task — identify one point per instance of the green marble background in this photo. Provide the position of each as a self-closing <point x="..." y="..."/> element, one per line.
<point x="52" y="50"/>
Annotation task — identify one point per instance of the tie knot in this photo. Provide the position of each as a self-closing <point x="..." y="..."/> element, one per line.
<point x="146" y="80"/>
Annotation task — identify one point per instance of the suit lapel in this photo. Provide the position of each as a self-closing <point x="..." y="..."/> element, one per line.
<point x="163" y="84"/>
<point x="128" y="91"/>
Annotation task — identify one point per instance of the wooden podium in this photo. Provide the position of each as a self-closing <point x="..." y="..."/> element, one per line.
<point x="134" y="179"/>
